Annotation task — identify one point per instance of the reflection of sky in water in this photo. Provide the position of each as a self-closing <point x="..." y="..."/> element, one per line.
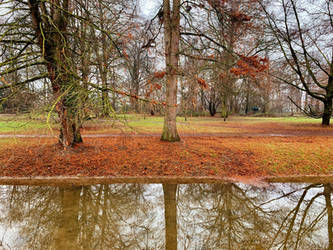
<point x="215" y="216"/>
<point x="9" y="236"/>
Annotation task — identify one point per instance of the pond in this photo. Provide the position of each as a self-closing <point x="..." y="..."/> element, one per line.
<point x="167" y="216"/>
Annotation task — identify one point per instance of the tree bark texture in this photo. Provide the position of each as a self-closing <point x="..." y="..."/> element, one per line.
<point x="172" y="37"/>
<point x="329" y="97"/>
<point x="327" y="111"/>
<point x="51" y="31"/>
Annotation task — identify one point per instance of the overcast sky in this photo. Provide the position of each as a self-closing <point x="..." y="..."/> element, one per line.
<point x="149" y="8"/>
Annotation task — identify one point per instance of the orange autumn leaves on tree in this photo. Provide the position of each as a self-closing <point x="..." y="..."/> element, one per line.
<point x="202" y="83"/>
<point x="250" y="66"/>
<point x="159" y="75"/>
<point x="152" y="88"/>
<point x="155" y="86"/>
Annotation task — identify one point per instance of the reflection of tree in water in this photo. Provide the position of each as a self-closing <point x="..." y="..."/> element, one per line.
<point x="305" y="220"/>
<point x="198" y="216"/>
<point x="170" y="215"/>
<point x="96" y="217"/>
<point x="231" y="216"/>
<point x="220" y="216"/>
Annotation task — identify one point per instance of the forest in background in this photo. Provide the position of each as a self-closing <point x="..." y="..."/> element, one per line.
<point x="81" y="59"/>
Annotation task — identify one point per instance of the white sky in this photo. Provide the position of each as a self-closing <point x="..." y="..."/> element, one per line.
<point x="149" y="8"/>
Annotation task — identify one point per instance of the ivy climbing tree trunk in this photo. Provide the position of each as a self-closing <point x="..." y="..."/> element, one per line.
<point x="50" y="26"/>
<point x="171" y="37"/>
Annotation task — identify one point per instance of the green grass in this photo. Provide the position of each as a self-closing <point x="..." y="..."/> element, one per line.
<point x="24" y="124"/>
<point x="301" y="119"/>
<point x="9" y="126"/>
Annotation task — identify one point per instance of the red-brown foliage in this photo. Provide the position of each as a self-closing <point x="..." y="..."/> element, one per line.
<point x="202" y="83"/>
<point x="153" y="87"/>
<point x="250" y="66"/>
<point x="240" y="17"/>
<point x="159" y="75"/>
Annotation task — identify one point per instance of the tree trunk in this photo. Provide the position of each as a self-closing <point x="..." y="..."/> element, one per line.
<point x="68" y="104"/>
<point x="212" y="108"/>
<point x="103" y="68"/>
<point x="171" y="36"/>
<point x="247" y="97"/>
<point x="70" y="127"/>
<point x="224" y="112"/>
<point x="170" y="127"/>
<point x="327" y="112"/>
<point x="52" y="40"/>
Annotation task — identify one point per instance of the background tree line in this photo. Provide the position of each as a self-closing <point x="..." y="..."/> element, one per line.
<point x="84" y="58"/>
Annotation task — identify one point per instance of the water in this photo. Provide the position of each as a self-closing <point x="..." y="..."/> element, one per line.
<point x="167" y="216"/>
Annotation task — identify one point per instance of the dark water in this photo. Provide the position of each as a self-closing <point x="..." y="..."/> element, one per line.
<point x="168" y="216"/>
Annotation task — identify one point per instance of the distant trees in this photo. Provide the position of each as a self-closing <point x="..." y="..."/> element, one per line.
<point x="229" y="43"/>
<point x="100" y="55"/>
<point x="139" y="63"/>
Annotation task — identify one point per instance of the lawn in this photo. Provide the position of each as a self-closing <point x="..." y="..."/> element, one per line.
<point x="129" y="146"/>
<point x="138" y="124"/>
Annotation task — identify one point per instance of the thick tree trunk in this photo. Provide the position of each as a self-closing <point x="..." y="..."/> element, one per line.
<point x="137" y="106"/>
<point x="327" y="112"/>
<point x="67" y="106"/>
<point x="170" y="128"/>
<point x="70" y="128"/>
<point x="52" y="40"/>
<point x="171" y="36"/>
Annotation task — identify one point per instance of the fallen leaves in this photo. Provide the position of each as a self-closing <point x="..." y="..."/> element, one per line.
<point x="256" y="150"/>
<point x="121" y="157"/>
<point x="148" y="156"/>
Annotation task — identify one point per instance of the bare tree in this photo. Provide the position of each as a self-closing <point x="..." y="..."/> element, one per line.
<point x="303" y="31"/>
<point x="53" y="40"/>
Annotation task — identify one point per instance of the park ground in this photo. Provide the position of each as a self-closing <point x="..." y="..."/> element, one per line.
<point x="130" y="146"/>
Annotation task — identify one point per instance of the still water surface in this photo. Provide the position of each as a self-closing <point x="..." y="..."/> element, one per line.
<point x="167" y="216"/>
